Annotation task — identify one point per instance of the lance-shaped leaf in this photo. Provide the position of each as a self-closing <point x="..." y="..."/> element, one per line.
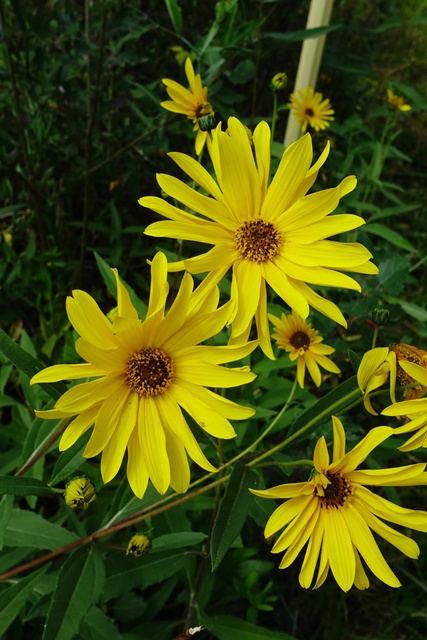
<point x="232" y="513"/>
<point x="80" y="583"/>
<point x="16" y="486"/>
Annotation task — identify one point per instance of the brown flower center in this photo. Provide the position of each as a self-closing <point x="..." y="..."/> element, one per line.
<point x="258" y="240"/>
<point x="149" y="372"/>
<point x="300" y="340"/>
<point x="309" y="112"/>
<point x="336" y="493"/>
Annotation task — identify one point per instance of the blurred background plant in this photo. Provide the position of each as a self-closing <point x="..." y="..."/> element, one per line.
<point x="82" y="137"/>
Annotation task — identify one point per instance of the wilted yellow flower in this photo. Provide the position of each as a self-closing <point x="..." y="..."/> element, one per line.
<point x="334" y="512"/>
<point x="302" y="342"/>
<point x="268" y="233"/>
<point x="194" y="104"/>
<point x="309" y="108"/>
<point x="382" y="363"/>
<point x="414" y="410"/>
<point x="146" y="373"/>
<point x="396" y="103"/>
<point x="79" y="493"/>
<point x="139" y="545"/>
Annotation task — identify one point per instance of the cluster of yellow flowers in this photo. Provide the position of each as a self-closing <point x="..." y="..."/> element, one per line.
<point x="149" y="373"/>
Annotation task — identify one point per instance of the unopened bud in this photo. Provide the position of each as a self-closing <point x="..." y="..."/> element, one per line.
<point x="380" y="316"/>
<point x="279" y="82"/>
<point x="139" y="545"/>
<point x="79" y="493"/>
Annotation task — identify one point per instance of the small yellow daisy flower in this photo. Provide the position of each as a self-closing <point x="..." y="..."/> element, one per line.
<point x="146" y="373"/>
<point x="309" y="108"/>
<point x="414" y="410"/>
<point x="194" y="104"/>
<point x="334" y="512"/>
<point x="379" y="364"/>
<point x="268" y="233"/>
<point x="303" y="343"/>
<point x="396" y="103"/>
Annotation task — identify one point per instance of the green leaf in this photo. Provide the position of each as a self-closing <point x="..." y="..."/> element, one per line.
<point x="80" y="583"/>
<point x="6" y="508"/>
<point x="175" y="14"/>
<point x="15" y="486"/>
<point x="391" y="236"/>
<point x="230" y="628"/>
<point x="126" y="572"/>
<point x="414" y="310"/>
<point x="343" y="395"/>
<point x="233" y="510"/>
<point x="28" y="529"/>
<point x="98" y="626"/>
<point x="28" y="364"/>
<point x="110" y="281"/>
<point x="69" y="461"/>
<point x="178" y="540"/>
<point x="355" y="359"/>
<point x="13" y="598"/>
<point x="303" y="34"/>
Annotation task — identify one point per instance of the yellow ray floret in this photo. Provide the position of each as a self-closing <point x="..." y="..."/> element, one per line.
<point x="271" y="234"/>
<point x="333" y="514"/>
<point x="146" y="373"/>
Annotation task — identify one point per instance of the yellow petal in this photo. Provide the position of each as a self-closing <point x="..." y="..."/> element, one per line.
<point x="339" y="439"/>
<point x="125" y="306"/>
<point x="339" y="548"/>
<point x="136" y="471"/>
<point x="153" y="444"/>
<point x="107" y="419"/>
<point x="67" y="372"/>
<point x="114" y="450"/>
<point x="364" y="542"/>
<point x="321" y="455"/>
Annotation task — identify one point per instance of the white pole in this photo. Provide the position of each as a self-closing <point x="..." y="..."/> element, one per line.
<point x="319" y="15"/>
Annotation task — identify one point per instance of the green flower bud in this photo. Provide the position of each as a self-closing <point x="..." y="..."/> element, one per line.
<point x="380" y="316"/>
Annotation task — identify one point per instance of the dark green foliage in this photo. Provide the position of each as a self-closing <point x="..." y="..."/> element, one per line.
<point x="82" y="135"/>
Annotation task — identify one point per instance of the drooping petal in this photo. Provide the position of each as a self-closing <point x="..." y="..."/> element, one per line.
<point x="339" y="548"/>
<point x="365" y="543"/>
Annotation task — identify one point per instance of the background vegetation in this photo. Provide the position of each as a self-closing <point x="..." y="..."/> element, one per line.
<point x="82" y="137"/>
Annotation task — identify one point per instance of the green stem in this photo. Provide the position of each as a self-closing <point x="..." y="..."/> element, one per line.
<point x="290" y="463"/>
<point x="374" y="337"/>
<point x="377" y="159"/>
<point x="269" y="428"/>
<point x="297" y="434"/>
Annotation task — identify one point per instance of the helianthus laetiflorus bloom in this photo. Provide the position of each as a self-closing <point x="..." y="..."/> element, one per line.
<point x="310" y="109"/>
<point x="334" y="514"/>
<point x="303" y="343"/>
<point x="396" y="103"/>
<point x="146" y="373"/>
<point x="382" y="363"/>
<point x="194" y="103"/>
<point x="268" y="233"/>
<point x="414" y="410"/>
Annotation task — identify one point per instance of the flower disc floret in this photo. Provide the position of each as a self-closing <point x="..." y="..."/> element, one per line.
<point x="258" y="240"/>
<point x="149" y="372"/>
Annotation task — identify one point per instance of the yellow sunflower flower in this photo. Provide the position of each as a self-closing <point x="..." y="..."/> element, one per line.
<point x="379" y="364"/>
<point x="268" y="233"/>
<point x="309" y="108"/>
<point x="302" y="342"/>
<point x="146" y="373"/>
<point x="194" y="104"/>
<point x="396" y="103"/>
<point x="335" y="512"/>
<point x="414" y="410"/>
